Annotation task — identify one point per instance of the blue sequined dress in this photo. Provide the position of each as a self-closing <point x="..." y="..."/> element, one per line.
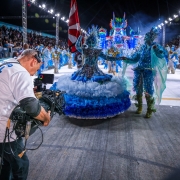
<point x="92" y="94"/>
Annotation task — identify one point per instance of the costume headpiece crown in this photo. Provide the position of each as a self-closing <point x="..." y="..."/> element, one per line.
<point x="93" y="30"/>
<point x="153" y="33"/>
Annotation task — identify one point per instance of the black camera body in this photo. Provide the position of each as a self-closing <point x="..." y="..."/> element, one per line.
<point x="21" y="119"/>
<point x="51" y="101"/>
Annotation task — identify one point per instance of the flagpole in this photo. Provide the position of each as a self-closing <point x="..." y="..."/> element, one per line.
<point x="82" y="55"/>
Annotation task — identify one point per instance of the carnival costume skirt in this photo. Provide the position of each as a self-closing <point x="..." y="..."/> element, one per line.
<point x="93" y="100"/>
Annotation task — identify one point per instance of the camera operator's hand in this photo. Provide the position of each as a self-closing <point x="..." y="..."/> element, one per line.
<point x="44" y="116"/>
<point x="46" y="122"/>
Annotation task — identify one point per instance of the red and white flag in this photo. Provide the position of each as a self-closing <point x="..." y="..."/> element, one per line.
<point x="74" y="26"/>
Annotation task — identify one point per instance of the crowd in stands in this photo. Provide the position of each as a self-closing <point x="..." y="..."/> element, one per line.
<point x="175" y="41"/>
<point x="173" y="58"/>
<point x="11" y="45"/>
<point x="11" y="40"/>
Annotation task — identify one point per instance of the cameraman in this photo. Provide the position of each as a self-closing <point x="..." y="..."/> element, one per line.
<point x="17" y="88"/>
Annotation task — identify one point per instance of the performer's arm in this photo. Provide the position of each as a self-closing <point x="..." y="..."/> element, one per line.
<point x="108" y="58"/>
<point x="131" y="60"/>
<point x="159" y="51"/>
<point x="78" y="44"/>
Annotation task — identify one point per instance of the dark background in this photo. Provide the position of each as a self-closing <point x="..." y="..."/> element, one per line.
<point x="143" y="14"/>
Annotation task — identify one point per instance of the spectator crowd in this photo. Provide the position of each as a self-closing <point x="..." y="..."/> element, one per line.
<point x="11" y="40"/>
<point x="11" y="45"/>
<point x="173" y="57"/>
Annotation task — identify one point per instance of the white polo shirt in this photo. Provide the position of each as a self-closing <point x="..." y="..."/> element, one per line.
<point x="15" y="85"/>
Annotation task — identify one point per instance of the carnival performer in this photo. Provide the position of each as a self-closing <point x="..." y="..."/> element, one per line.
<point x="46" y="54"/>
<point x="73" y="59"/>
<point x="55" y="58"/>
<point x="90" y="93"/>
<point x="167" y="47"/>
<point x="172" y="62"/>
<point x="111" y="64"/>
<point x="39" y="48"/>
<point x="151" y="67"/>
<point x="64" y="59"/>
<point x="178" y="51"/>
<point x="78" y="59"/>
<point x="70" y="56"/>
<point x="112" y="67"/>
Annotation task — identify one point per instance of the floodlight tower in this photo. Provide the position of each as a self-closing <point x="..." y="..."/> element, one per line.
<point x="164" y="35"/>
<point x="57" y="29"/>
<point x="24" y="20"/>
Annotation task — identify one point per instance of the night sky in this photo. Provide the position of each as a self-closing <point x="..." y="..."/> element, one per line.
<point x="142" y="14"/>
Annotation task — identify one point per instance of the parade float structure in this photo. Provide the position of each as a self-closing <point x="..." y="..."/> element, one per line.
<point x="125" y="44"/>
<point x="118" y="42"/>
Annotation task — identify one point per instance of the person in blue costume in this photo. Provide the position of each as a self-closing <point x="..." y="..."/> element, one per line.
<point x="91" y="52"/>
<point x="64" y="57"/>
<point x="47" y="57"/>
<point x="173" y="60"/>
<point x="55" y="58"/>
<point x="90" y="93"/>
<point x="151" y="69"/>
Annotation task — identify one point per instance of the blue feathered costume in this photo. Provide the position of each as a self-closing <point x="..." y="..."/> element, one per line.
<point x="151" y="69"/>
<point x="90" y="93"/>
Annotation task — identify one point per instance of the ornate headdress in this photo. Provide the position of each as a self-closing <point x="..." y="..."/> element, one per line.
<point x="92" y="33"/>
<point x="153" y="33"/>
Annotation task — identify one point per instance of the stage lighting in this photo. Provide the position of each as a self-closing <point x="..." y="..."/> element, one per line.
<point x="63" y="18"/>
<point x="43" y="6"/>
<point x="57" y="15"/>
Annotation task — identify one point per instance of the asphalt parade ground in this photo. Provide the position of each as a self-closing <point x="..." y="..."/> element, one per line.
<point x="126" y="147"/>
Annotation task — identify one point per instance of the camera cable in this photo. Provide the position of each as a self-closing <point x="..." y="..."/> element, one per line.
<point x="2" y="154"/>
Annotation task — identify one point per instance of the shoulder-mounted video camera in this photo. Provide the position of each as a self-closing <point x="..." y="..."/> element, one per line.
<point x="50" y="100"/>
